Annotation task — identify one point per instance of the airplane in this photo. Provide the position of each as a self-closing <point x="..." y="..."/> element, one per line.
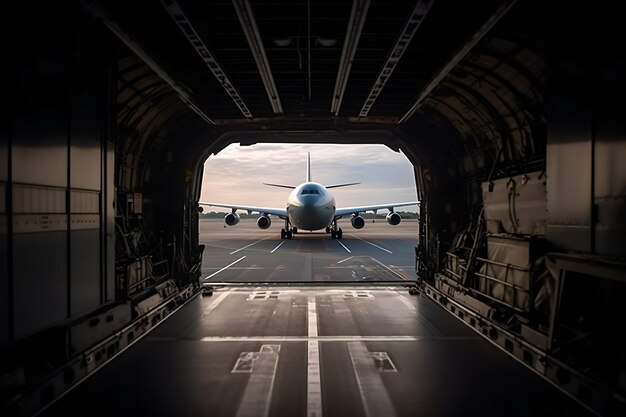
<point x="310" y="206"/>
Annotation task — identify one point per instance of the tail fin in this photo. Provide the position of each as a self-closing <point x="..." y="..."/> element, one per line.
<point x="308" y="167"/>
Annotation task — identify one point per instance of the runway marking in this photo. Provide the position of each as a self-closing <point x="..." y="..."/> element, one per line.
<point x="226" y="267"/>
<point x="373" y="244"/>
<point x="263" y="295"/>
<point x="247" y="246"/>
<point x="289" y="339"/>
<point x="343" y="260"/>
<point x="383" y="362"/>
<point x="245" y="268"/>
<point x="312" y="316"/>
<point x="344" y="246"/>
<point x="277" y="339"/>
<point x="314" y="383"/>
<point x="374" y="395"/>
<point x="279" y="245"/>
<point x="262" y="367"/>
<point x="388" y="269"/>
<point x="357" y="294"/>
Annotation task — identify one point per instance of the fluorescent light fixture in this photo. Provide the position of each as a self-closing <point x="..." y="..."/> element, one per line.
<point x="328" y="42"/>
<point x="282" y="42"/>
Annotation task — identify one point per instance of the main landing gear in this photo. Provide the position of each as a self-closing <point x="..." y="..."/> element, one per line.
<point x="335" y="232"/>
<point x="287" y="232"/>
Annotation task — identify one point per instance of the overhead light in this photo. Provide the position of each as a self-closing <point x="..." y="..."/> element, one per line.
<point x="282" y="42"/>
<point x="325" y="41"/>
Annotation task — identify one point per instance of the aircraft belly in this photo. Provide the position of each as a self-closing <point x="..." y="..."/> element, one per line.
<point x="306" y="218"/>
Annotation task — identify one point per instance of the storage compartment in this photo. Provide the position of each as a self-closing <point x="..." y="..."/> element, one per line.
<point x="516" y="205"/>
<point x="505" y="275"/>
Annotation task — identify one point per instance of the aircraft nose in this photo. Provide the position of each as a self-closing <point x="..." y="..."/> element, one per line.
<point x="308" y="200"/>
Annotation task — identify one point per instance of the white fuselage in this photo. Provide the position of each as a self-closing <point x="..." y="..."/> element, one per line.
<point x="311" y="206"/>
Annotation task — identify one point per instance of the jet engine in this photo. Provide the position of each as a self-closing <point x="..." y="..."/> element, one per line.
<point x="357" y="222"/>
<point x="264" y="222"/>
<point x="394" y="219"/>
<point x="232" y="219"/>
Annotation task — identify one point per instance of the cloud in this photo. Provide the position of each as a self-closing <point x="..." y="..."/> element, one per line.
<point x="235" y="174"/>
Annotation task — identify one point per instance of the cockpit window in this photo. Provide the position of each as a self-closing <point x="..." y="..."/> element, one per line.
<point x="313" y="191"/>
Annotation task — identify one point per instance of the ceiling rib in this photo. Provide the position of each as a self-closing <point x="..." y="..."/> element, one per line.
<point x="402" y="43"/>
<point x="176" y="13"/>
<point x="248" y="24"/>
<point x="457" y="57"/>
<point x="353" y="34"/>
<point x="98" y="13"/>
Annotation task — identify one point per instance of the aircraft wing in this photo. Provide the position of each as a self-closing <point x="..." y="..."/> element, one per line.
<point x="280" y="185"/>
<point x="351" y="210"/>
<point x="263" y="210"/>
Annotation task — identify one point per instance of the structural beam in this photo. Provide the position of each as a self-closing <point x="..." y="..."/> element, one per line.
<point x="353" y="34"/>
<point x="248" y="24"/>
<point x="457" y="57"/>
<point x="100" y="14"/>
<point x="176" y="13"/>
<point x="411" y="26"/>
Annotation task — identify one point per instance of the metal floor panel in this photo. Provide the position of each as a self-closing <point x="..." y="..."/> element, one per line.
<point x="314" y="351"/>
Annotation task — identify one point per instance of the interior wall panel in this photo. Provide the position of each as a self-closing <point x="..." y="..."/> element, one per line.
<point x="88" y="95"/>
<point x="610" y="155"/>
<point x="85" y="270"/>
<point x="109" y="223"/>
<point x="57" y="156"/>
<point x="569" y="164"/>
<point x="4" y="281"/>
<point x="39" y="153"/>
<point x="40" y="280"/>
<point x="39" y="133"/>
<point x="569" y="154"/>
<point x="86" y="126"/>
<point x="4" y="247"/>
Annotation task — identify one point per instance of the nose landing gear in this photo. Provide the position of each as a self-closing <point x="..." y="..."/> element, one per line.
<point x="335" y="232"/>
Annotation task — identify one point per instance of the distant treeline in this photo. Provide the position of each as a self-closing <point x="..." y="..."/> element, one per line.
<point x="245" y="215"/>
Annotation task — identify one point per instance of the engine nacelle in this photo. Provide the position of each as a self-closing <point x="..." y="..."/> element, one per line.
<point x="232" y="219"/>
<point x="394" y="219"/>
<point x="357" y="222"/>
<point x="264" y="222"/>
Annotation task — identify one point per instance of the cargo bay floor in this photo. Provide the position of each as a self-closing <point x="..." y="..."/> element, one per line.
<point x="299" y="349"/>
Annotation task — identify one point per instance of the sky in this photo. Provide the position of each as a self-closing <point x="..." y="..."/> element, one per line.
<point x="235" y="175"/>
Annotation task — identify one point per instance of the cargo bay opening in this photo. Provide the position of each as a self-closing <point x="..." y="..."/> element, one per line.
<point x="370" y="249"/>
<point x="514" y="124"/>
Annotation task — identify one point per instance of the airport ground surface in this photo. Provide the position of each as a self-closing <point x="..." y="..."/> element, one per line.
<point x="245" y="253"/>
<point x="312" y="350"/>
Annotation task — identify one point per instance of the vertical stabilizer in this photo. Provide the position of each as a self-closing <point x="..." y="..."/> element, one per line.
<point x="308" y="167"/>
